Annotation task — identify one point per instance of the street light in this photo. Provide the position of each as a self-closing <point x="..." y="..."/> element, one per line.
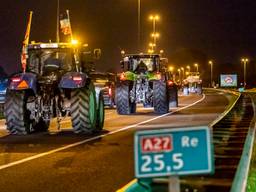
<point x="161" y="52"/>
<point x="196" y="66"/>
<point x="179" y="75"/>
<point x="122" y="52"/>
<point x="155" y="35"/>
<point x="245" y="61"/>
<point x="154" y="18"/>
<point x="188" y="67"/>
<point x="152" y="45"/>
<point x="150" y="51"/>
<point x="183" y="73"/>
<point x="211" y="64"/>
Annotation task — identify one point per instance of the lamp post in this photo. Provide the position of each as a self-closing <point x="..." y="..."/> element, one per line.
<point x="211" y="64"/>
<point x="245" y="61"/>
<point x="154" y="18"/>
<point x="188" y="67"/>
<point x="183" y="73"/>
<point x="196" y="66"/>
<point x="139" y="6"/>
<point x="179" y="75"/>
<point x="58" y="22"/>
<point x="152" y="45"/>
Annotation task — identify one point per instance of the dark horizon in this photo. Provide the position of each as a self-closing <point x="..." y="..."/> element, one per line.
<point x="197" y="31"/>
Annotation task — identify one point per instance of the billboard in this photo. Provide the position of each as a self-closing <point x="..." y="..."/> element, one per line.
<point x="228" y="80"/>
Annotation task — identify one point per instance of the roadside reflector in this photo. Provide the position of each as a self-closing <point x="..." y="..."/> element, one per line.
<point x="23" y="85"/>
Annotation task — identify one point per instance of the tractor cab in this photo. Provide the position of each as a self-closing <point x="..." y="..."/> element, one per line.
<point x="46" y="58"/>
<point x="141" y="63"/>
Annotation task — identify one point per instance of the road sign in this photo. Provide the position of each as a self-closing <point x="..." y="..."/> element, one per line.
<point x="179" y="151"/>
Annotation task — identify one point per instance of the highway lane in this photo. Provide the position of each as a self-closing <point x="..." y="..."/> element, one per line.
<point x="103" y="164"/>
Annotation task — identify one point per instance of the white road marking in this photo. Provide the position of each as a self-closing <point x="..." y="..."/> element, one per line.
<point x="93" y="138"/>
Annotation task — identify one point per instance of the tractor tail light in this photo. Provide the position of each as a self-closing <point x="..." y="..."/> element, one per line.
<point x="170" y="83"/>
<point x="77" y="79"/>
<point x="16" y="79"/>
<point x="109" y="91"/>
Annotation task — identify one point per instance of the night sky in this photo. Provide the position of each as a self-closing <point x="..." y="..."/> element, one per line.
<point x="191" y="30"/>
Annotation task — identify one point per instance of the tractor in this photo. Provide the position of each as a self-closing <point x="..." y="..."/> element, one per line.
<point x="144" y="80"/>
<point x="193" y="84"/>
<point x="55" y="83"/>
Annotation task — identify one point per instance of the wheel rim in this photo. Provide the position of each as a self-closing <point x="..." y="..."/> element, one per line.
<point x="92" y="114"/>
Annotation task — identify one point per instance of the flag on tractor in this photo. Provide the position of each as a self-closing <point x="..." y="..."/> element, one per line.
<point x="25" y="43"/>
<point x="65" y="25"/>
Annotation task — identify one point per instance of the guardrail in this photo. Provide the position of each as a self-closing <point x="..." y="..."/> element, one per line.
<point x="241" y="177"/>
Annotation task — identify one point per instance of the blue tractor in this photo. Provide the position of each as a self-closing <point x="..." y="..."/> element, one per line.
<point x="55" y="83"/>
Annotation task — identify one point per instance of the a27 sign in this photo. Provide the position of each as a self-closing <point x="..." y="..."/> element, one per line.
<point x="179" y="151"/>
<point x="156" y="144"/>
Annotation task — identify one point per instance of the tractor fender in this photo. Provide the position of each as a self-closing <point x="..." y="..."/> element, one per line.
<point x="23" y="81"/>
<point x="73" y="80"/>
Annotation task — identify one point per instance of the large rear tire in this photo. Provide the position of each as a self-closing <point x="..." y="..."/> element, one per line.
<point x="83" y="110"/>
<point x="100" y="113"/>
<point x="123" y="104"/>
<point x="16" y="113"/>
<point x="160" y="97"/>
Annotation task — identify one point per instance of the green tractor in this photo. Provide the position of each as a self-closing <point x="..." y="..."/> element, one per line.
<point x="144" y="80"/>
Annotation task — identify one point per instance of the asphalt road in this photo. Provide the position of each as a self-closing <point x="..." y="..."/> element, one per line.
<point x="62" y="161"/>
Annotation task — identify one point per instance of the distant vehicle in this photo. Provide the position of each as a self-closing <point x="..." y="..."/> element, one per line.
<point x="3" y="87"/>
<point x="193" y="83"/>
<point x="144" y="80"/>
<point x="107" y="84"/>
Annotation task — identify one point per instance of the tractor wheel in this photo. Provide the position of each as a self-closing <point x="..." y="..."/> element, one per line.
<point x="100" y="113"/>
<point x="123" y="103"/>
<point x="16" y="113"/>
<point x="83" y="110"/>
<point x="160" y="97"/>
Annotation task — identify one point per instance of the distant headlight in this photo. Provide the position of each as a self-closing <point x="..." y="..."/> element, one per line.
<point x="3" y="92"/>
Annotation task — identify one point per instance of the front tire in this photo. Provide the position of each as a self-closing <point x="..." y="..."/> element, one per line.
<point x="83" y="110"/>
<point x="160" y="97"/>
